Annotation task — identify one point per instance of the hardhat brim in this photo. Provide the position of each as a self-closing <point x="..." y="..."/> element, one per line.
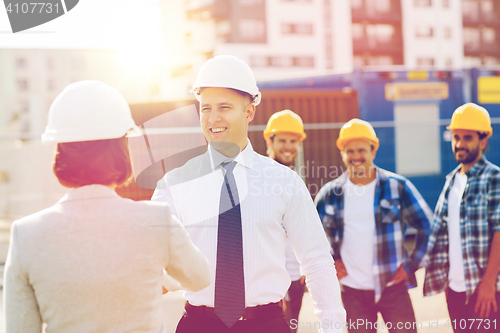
<point x="195" y="90"/>
<point x="89" y="134"/>
<point x="488" y="133"/>
<point x="268" y="133"/>
<point x="342" y="142"/>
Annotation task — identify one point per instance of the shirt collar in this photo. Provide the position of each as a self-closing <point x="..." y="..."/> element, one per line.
<point x="476" y="168"/>
<point x="342" y="180"/>
<point x="245" y="157"/>
<point x="88" y="192"/>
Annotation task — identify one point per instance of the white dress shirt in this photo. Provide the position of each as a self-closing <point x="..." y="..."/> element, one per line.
<point x="292" y="264"/>
<point x="273" y="199"/>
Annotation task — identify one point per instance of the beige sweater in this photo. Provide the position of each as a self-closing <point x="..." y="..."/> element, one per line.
<point x="93" y="263"/>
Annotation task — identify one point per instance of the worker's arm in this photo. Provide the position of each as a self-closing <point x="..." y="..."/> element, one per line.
<point x="486" y="289"/>
<point x="187" y="266"/>
<point x="416" y="213"/>
<point x="312" y="248"/>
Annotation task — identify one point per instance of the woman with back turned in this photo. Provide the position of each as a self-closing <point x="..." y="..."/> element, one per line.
<point x="93" y="262"/>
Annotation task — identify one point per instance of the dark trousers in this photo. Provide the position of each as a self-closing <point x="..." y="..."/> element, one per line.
<point x="293" y="305"/>
<point x="394" y="306"/>
<point x="464" y="319"/>
<point x="196" y="324"/>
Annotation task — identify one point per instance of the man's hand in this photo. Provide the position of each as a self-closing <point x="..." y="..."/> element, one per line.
<point x="341" y="271"/>
<point x="486" y="289"/>
<point x="485" y="299"/>
<point x="302" y="279"/>
<point x="399" y="276"/>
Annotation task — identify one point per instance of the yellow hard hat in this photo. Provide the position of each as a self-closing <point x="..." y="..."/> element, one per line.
<point x="471" y="117"/>
<point x="285" y="121"/>
<point x="357" y="129"/>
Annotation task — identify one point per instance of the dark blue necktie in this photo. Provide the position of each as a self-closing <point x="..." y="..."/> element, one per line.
<point x="229" y="277"/>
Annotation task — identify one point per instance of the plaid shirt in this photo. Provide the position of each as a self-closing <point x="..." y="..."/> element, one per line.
<point x="397" y="205"/>
<point x="479" y="219"/>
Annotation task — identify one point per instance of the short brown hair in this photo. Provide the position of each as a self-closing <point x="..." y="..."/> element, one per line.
<point x="105" y="162"/>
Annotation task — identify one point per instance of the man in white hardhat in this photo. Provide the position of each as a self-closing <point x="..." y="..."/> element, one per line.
<point x="93" y="262"/>
<point x="284" y="134"/>
<point x="241" y="213"/>
<point x="464" y="245"/>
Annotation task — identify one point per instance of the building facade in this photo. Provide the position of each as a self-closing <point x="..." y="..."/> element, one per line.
<point x="279" y="37"/>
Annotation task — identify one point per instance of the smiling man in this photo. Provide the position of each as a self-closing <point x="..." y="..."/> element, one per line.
<point x="284" y="134"/>
<point x="240" y="208"/>
<point x="366" y="213"/>
<point x="464" y="246"/>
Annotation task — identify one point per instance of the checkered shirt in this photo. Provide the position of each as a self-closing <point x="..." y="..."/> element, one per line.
<point x="397" y="206"/>
<point x="479" y="220"/>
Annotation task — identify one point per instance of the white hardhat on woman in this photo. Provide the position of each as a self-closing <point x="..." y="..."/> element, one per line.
<point x="226" y="71"/>
<point x="113" y="249"/>
<point x="89" y="110"/>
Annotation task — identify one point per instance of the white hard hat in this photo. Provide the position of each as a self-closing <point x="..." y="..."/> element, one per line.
<point x="226" y="71"/>
<point x="89" y="110"/>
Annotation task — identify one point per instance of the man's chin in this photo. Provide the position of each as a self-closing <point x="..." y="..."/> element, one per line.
<point x="360" y="172"/>
<point x="286" y="162"/>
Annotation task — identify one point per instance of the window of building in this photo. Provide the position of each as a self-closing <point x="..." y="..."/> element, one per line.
<point x="385" y="61"/>
<point x="358" y="31"/>
<point x="446" y="3"/>
<point x="472" y="61"/>
<point x="382" y="6"/>
<point x="21" y="63"/>
<point x="448" y="62"/>
<point x="358" y="61"/>
<point x="259" y="61"/>
<point x="487" y="60"/>
<point x="382" y="33"/>
<point x="424" y="32"/>
<point x="252" y="29"/>
<point x="296" y="0"/>
<point x="357" y="4"/>
<point x="303" y="61"/>
<point x="488" y="35"/>
<point x="422" y="3"/>
<point x="251" y="3"/>
<point x="297" y="28"/>
<point x="382" y="60"/>
<point x="470" y="9"/>
<point x="22" y="85"/>
<point x="487" y="6"/>
<point x="281" y="61"/>
<point x="425" y="61"/>
<point x="472" y="37"/>
<point x="223" y="27"/>
<point x="447" y="32"/>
